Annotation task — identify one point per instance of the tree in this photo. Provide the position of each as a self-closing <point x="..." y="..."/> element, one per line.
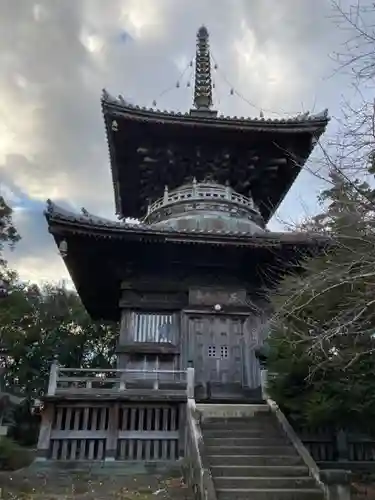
<point x="322" y="342"/>
<point x="38" y="325"/>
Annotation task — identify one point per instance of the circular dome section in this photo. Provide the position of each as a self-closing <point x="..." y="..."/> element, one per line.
<point x="205" y="207"/>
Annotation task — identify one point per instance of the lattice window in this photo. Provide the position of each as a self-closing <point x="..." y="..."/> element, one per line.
<point x="211" y="351"/>
<point x="154" y="327"/>
<point x="224" y="351"/>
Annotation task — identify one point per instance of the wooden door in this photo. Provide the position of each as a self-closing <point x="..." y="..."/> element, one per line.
<point x="215" y="348"/>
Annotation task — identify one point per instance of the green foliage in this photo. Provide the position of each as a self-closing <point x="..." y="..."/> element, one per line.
<point x="322" y="343"/>
<point x="37" y="325"/>
<point x="13" y="456"/>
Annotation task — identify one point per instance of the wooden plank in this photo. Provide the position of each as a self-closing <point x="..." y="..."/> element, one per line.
<point x="173" y="422"/>
<point x="131" y="450"/>
<point x="157" y="418"/>
<point x="164" y="449"/>
<point x="149" y="414"/>
<point x="147" y="449"/>
<point x="78" y="434"/>
<point x="77" y="415"/>
<point x="44" y="438"/>
<point x="68" y="419"/>
<point x="73" y="450"/>
<point x="133" y="413"/>
<point x="91" y="453"/>
<point x="82" y="449"/>
<point x="64" y="449"/>
<point x="113" y="432"/>
<point x="139" y="449"/>
<point x="101" y="447"/>
<point x="55" y="450"/>
<point x="125" y="418"/>
<point x="59" y="418"/>
<point x="86" y="416"/>
<point x="166" y="414"/>
<point x="103" y="418"/>
<point x="156" y="454"/>
<point x="141" y="418"/>
<point x="94" y="419"/>
<point x="142" y="435"/>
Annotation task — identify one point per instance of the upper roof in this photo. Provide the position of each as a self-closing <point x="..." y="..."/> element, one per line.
<point x="151" y="148"/>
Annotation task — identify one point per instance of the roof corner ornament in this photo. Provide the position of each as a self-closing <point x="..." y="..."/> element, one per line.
<point x="105" y="95"/>
<point x="50" y="207"/>
<point x="85" y="212"/>
<point x="203" y="82"/>
<point x="114" y="126"/>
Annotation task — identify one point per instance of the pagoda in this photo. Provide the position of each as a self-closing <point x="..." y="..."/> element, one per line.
<point x="187" y="280"/>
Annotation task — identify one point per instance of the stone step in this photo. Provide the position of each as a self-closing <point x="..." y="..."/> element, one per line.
<point x="259" y="471"/>
<point x="224" y="482"/>
<point x="243" y="424"/>
<point x="245" y="441"/>
<point x="258" y="460"/>
<point x="259" y="418"/>
<point x="251" y="450"/>
<point x="245" y="433"/>
<point x="269" y="494"/>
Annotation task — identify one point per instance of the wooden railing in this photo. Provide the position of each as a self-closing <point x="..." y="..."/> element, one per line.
<point x="103" y="381"/>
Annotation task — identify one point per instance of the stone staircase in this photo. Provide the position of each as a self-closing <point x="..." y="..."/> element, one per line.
<point x="250" y="457"/>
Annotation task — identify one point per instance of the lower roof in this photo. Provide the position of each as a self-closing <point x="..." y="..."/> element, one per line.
<point x="99" y="251"/>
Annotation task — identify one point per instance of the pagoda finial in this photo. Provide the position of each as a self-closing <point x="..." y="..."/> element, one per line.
<point x="203" y="82"/>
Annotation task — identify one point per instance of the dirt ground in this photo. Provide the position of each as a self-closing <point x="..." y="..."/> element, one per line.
<point x="67" y="485"/>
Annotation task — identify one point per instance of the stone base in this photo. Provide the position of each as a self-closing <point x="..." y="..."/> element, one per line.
<point x="111" y="467"/>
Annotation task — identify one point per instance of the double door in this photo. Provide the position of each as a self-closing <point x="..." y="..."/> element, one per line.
<point x="215" y="347"/>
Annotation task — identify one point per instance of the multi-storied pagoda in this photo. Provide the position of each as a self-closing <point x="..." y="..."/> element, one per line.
<point x="187" y="283"/>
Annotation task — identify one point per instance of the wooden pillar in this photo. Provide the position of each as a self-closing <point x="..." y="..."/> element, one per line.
<point x="113" y="430"/>
<point x="182" y="430"/>
<point x="45" y="432"/>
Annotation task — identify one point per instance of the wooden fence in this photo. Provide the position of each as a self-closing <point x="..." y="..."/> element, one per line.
<point x="328" y="445"/>
<point x="132" y="432"/>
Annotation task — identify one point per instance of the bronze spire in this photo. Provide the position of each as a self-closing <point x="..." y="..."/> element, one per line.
<point x="203" y="83"/>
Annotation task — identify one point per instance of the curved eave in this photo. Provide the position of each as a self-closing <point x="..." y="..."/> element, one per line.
<point x="118" y="230"/>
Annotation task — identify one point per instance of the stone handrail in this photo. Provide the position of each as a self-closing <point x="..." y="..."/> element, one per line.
<point x="197" y="472"/>
<point x="335" y="484"/>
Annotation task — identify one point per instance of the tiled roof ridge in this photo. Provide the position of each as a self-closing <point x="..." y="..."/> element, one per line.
<point x="300" y="118"/>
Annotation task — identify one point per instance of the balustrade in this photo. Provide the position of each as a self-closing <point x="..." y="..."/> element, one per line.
<point x="202" y="191"/>
<point x="108" y="381"/>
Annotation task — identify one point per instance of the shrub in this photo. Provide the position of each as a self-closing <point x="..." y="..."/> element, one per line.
<point x="13" y="456"/>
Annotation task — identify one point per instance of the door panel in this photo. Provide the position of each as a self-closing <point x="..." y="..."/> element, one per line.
<point x="215" y="347"/>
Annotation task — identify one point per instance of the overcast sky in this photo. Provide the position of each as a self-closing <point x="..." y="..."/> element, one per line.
<point x="57" y="55"/>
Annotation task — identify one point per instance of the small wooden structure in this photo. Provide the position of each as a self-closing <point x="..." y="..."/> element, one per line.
<point x="187" y="281"/>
